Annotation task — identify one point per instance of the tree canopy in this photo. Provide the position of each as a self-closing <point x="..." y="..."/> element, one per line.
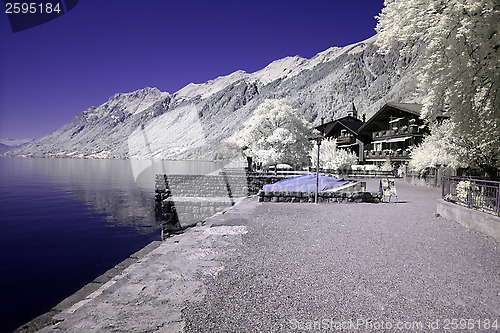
<point x="439" y="149"/>
<point x="330" y="157"/>
<point x="274" y="134"/>
<point x="460" y="66"/>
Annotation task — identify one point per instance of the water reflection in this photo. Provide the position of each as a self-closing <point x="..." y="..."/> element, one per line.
<point x="108" y="186"/>
<point x="64" y="222"/>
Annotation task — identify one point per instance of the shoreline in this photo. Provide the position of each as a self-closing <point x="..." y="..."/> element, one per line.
<point x="47" y="318"/>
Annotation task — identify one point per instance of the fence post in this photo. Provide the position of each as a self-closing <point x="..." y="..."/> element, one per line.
<point x="443" y="184"/>
<point x="469" y="194"/>
<point x="498" y="199"/>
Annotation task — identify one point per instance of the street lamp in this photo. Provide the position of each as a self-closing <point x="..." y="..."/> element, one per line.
<point x="317" y="138"/>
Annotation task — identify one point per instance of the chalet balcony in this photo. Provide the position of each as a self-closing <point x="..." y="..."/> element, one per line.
<point x="405" y="130"/>
<point x="346" y="140"/>
<point x="386" y="154"/>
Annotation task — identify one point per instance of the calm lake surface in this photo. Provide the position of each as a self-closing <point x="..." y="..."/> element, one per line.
<point x="63" y="222"/>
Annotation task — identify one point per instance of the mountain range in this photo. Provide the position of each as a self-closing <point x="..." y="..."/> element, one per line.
<point x="191" y="123"/>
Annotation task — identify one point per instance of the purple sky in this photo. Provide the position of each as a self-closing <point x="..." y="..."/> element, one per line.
<point x="51" y="72"/>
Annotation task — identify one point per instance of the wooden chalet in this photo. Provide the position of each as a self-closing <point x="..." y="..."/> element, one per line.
<point x="346" y="131"/>
<point x="392" y="131"/>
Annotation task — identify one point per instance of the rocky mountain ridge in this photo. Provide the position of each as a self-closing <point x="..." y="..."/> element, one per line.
<point x="191" y="123"/>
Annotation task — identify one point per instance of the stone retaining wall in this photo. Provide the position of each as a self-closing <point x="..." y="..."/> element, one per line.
<point x="323" y="197"/>
<point x="230" y="185"/>
<point x="184" y="200"/>
<point x="180" y="213"/>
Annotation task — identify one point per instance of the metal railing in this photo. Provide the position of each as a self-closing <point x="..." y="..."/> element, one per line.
<point x="342" y="140"/>
<point x="405" y="130"/>
<point x="373" y="154"/>
<point x="479" y="194"/>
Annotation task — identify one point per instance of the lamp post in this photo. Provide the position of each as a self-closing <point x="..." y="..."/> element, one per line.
<point x="317" y="138"/>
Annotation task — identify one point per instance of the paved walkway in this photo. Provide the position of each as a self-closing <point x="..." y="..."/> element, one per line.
<point x="271" y="267"/>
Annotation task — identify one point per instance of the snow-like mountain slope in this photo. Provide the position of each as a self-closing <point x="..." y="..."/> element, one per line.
<point x="13" y="144"/>
<point x="192" y="122"/>
<point x="135" y="102"/>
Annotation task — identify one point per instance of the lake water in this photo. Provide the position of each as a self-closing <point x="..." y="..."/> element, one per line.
<point x="63" y="222"/>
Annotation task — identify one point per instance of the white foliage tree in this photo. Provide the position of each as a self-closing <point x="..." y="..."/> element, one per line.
<point x="330" y="157"/>
<point x="439" y="149"/>
<point x="460" y="65"/>
<point x="275" y="134"/>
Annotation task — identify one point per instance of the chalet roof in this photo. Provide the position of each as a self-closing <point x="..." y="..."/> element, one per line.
<point x="348" y="122"/>
<point x="392" y="110"/>
<point x="353" y="126"/>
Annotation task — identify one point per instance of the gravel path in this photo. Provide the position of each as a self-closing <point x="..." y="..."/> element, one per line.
<point x="357" y="267"/>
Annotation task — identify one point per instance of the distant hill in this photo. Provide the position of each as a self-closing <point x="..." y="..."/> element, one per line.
<point x="192" y="122"/>
<point x="13" y="144"/>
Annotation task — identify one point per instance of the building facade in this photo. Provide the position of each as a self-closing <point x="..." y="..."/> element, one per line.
<point x="387" y="135"/>
<point x="392" y="131"/>
<point x="345" y="131"/>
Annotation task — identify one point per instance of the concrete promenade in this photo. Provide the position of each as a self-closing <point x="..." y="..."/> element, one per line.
<point x="283" y="267"/>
